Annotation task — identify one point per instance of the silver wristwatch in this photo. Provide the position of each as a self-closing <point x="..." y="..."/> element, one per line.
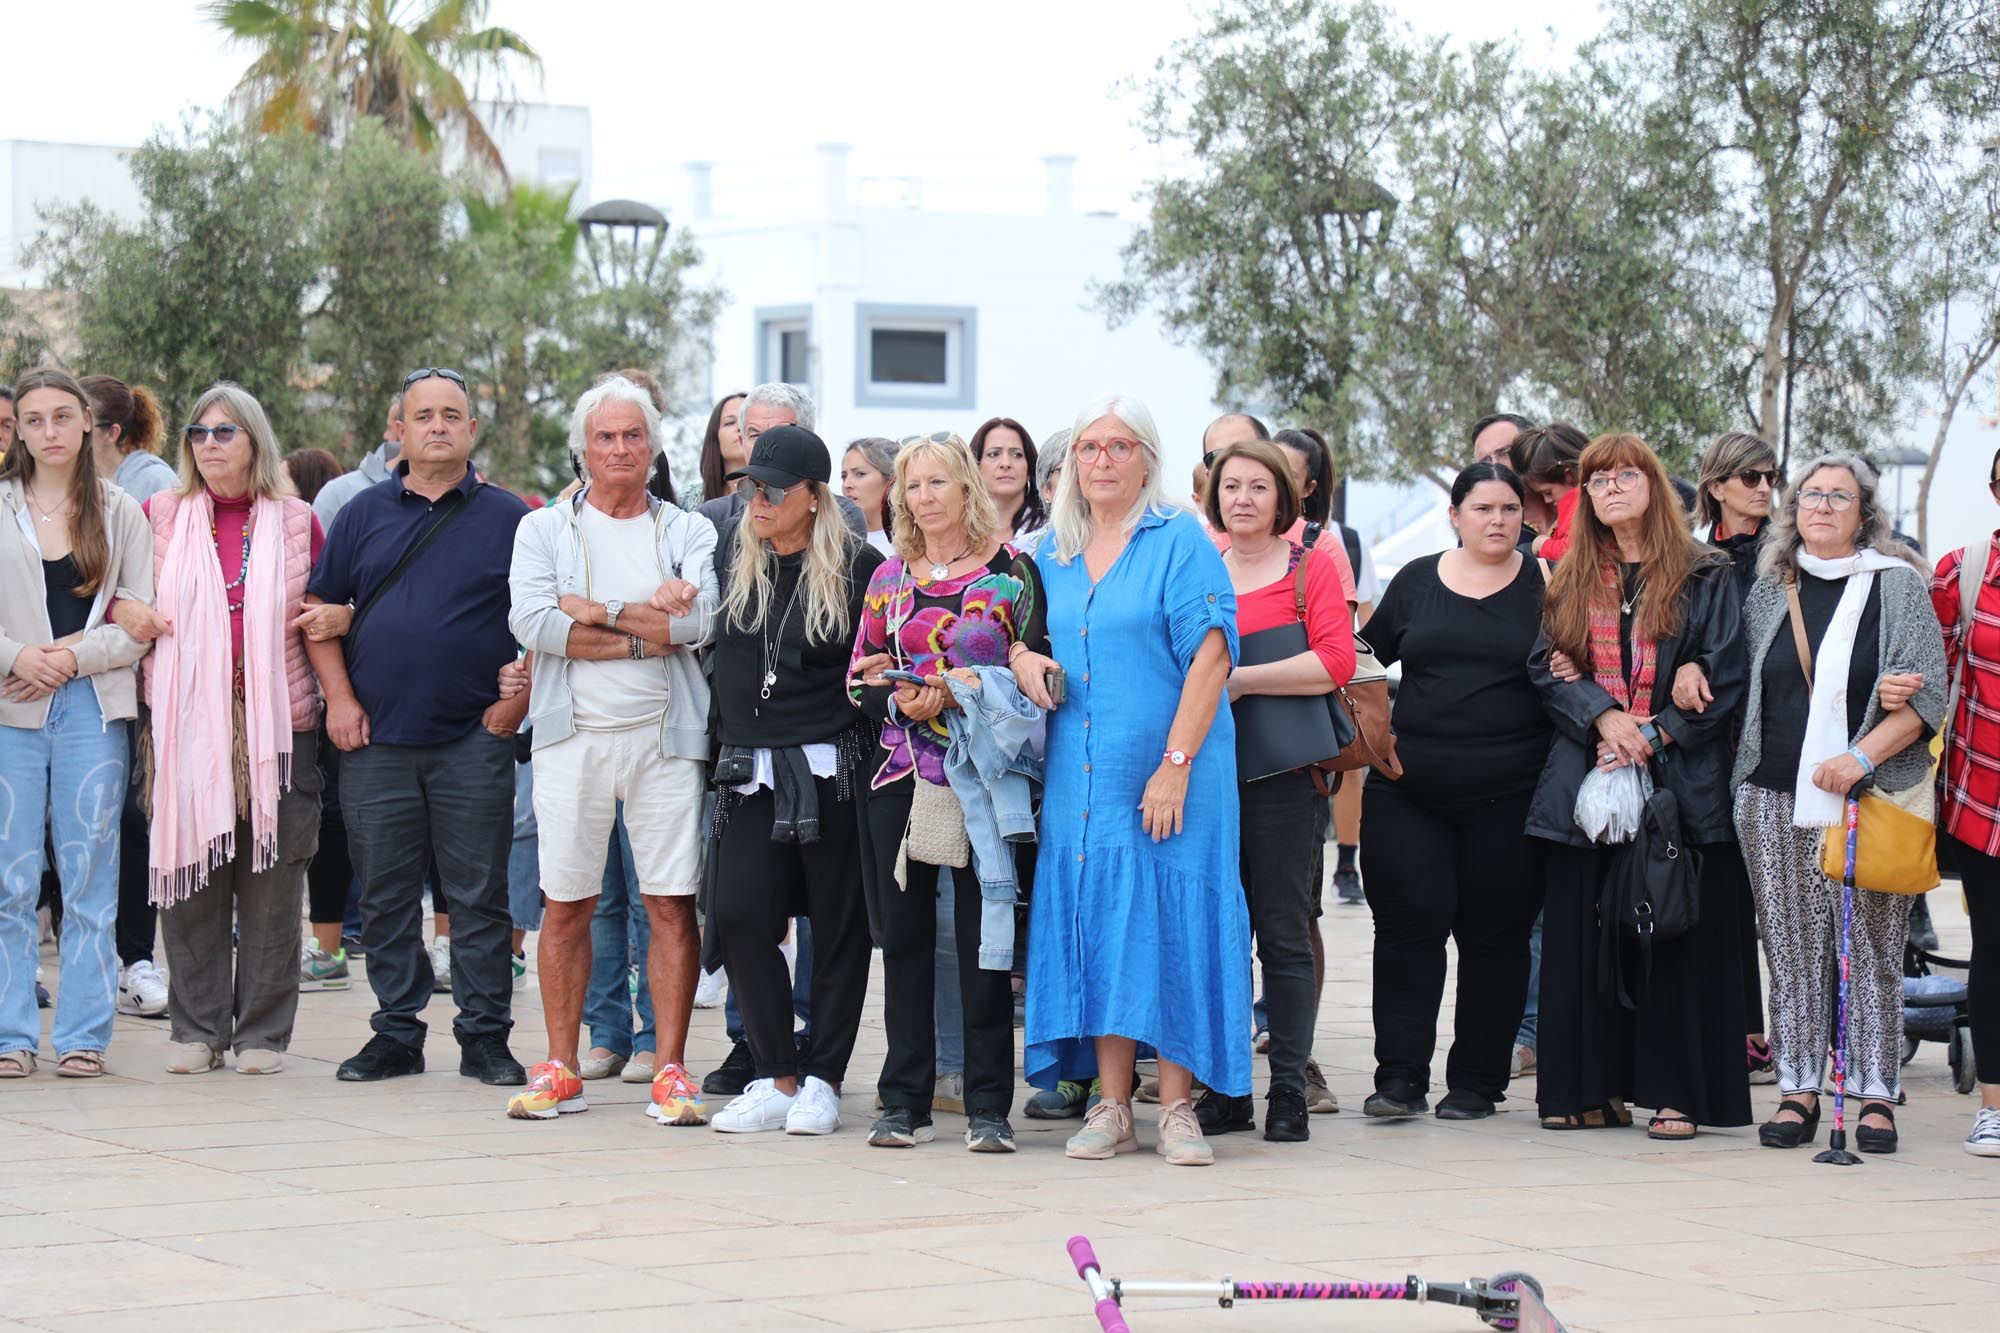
<point x="612" y="610"/>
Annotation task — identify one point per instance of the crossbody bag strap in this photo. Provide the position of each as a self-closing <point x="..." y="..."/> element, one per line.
<point x="1798" y="618"/>
<point x="416" y="548"/>
<point x="1299" y="585"/>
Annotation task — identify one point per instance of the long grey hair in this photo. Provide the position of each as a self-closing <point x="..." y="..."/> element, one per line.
<point x="1778" y="558"/>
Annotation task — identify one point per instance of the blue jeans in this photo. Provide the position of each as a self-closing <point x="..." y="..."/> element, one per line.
<point x="1529" y="1016"/>
<point x="70" y="774"/>
<point x="949" y="1005"/>
<point x="802" y="975"/>
<point x="524" y="871"/>
<point x="620" y="936"/>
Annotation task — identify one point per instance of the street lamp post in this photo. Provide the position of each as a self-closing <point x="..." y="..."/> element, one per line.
<point x="607" y="217"/>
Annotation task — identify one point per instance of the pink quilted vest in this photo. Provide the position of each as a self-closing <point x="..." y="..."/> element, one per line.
<point x="300" y="685"/>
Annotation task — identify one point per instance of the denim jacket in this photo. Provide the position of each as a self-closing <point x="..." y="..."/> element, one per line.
<point x="990" y="761"/>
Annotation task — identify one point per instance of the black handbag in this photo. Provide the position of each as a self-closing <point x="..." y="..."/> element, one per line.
<point x="1649" y="894"/>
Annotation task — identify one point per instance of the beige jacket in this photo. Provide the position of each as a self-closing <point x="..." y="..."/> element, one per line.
<point x="106" y="654"/>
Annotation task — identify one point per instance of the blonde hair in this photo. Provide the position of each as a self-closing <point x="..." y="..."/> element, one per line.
<point x="753" y="573"/>
<point x="267" y="464"/>
<point x="1070" y="511"/>
<point x="980" y="517"/>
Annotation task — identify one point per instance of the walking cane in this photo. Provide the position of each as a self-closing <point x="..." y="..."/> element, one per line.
<point x="1836" y="1143"/>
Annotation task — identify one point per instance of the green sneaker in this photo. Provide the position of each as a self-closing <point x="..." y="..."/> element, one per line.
<point x="1066" y="1101"/>
<point x="320" y="970"/>
<point x="520" y="972"/>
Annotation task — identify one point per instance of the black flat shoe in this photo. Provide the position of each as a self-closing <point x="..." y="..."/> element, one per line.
<point x="1867" y="1137"/>
<point x="1225" y="1115"/>
<point x="1464" y="1104"/>
<point x="1285" y="1117"/>
<point x="383" y="1057"/>
<point x="1396" y="1100"/>
<point x="486" y="1058"/>
<point x="1790" y="1133"/>
<point x="733" y="1075"/>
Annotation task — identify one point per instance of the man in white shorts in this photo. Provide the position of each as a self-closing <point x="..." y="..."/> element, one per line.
<point x="613" y="590"/>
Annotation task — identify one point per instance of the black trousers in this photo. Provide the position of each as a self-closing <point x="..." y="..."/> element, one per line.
<point x="1448" y="870"/>
<point x="1725" y="864"/>
<point x="405" y="806"/>
<point x="908" y="929"/>
<point x="760" y="885"/>
<point x="138" y="919"/>
<point x="1682" y="1047"/>
<point x="1982" y="899"/>
<point x="1281" y="859"/>
<point x="332" y="869"/>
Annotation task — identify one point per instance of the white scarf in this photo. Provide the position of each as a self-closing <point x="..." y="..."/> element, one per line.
<point x="1826" y="718"/>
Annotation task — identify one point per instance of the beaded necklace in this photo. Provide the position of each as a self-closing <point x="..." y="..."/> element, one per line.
<point x="243" y="571"/>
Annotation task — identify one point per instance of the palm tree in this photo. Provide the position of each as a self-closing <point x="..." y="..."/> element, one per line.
<point x="320" y="63"/>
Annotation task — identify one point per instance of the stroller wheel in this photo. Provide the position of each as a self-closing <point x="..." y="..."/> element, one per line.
<point x="1964" y="1075"/>
<point x="1507" y="1282"/>
<point x="1910" y="1047"/>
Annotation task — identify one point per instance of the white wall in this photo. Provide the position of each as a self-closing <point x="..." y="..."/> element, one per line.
<point x="36" y="175"/>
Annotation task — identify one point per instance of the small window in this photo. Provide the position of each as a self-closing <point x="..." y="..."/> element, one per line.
<point x="792" y="366"/>
<point x="784" y="345"/>
<point x="914" y="356"/>
<point x="559" y="166"/>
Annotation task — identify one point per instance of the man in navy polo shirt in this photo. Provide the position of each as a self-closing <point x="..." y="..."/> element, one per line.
<point x="413" y="701"/>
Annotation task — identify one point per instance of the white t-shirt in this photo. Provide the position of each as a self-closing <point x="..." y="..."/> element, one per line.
<point x="624" y="567"/>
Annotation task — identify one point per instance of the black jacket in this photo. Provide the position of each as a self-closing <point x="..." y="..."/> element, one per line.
<point x="1695" y="767"/>
<point x="1742" y="550"/>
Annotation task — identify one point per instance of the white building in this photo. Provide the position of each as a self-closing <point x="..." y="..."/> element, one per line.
<point x="902" y="319"/>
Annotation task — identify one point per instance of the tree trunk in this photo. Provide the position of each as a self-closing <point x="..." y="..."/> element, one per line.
<point x="1975" y="361"/>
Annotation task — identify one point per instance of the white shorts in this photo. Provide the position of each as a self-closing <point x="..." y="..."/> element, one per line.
<point x="578" y="782"/>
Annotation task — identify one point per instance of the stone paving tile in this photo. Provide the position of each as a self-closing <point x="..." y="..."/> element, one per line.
<point x="71" y="1279"/>
<point x="509" y="1298"/>
<point x="317" y="1313"/>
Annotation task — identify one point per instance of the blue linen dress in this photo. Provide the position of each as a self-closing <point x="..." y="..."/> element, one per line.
<point x="1128" y="937"/>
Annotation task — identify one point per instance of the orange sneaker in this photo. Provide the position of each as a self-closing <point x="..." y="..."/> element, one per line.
<point x="553" y="1090"/>
<point x="676" y="1099"/>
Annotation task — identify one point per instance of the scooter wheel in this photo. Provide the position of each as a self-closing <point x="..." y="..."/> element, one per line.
<point x="1507" y="1282"/>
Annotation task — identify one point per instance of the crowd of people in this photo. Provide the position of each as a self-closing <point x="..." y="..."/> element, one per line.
<point x="989" y="706"/>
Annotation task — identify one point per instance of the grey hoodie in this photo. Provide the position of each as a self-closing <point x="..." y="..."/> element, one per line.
<point x="374" y="470"/>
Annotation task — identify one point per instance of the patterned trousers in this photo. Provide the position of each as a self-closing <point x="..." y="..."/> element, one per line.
<point x="1799" y="910"/>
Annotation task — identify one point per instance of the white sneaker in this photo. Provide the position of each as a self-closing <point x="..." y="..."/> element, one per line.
<point x="142" y="990"/>
<point x="758" y="1110"/>
<point x="1984" y="1141"/>
<point x="440" y="951"/>
<point x="816" y="1110"/>
<point x="711" y="990"/>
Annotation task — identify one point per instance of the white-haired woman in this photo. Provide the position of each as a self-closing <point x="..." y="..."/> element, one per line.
<point x="1863" y="708"/>
<point x="953" y="597"/>
<point x="792" y="752"/>
<point x="235" y="716"/>
<point x="1138" y="928"/>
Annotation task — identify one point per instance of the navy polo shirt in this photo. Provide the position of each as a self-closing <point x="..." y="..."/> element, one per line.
<point x="426" y="662"/>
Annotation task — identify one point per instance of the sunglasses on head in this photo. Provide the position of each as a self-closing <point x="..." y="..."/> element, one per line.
<point x="749" y="487"/>
<point x="1750" y="476"/>
<point x="935" y="437"/>
<point x="223" y="433"/>
<point x="425" y="372"/>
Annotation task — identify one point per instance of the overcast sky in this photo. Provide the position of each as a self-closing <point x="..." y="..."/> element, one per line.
<point x="947" y="86"/>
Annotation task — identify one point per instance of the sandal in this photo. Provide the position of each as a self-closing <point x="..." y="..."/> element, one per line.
<point x="80" y="1064"/>
<point x="16" y="1064"/>
<point x="1667" y="1128"/>
<point x="1611" y="1115"/>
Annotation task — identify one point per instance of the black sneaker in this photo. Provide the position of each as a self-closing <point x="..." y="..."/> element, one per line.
<point x="989" y="1133"/>
<point x="1285" y="1116"/>
<point x="733" y="1075"/>
<point x="1224" y="1115"/>
<point x="1347" y="886"/>
<point x="1463" y="1104"/>
<point x="1396" y="1101"/>
<point x="486" y="1058"/>
<point x="1922" y="933"/>
<point x="352" y="943"/>
<point x="383" y="1057"/>
<point x="898" y="1128"/>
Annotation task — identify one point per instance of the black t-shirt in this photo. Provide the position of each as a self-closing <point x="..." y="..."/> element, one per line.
<point x="808" y="702"/>
<point x="68" y="613"/>
<point x="1787" y="699"/>
<point x="1468" y="721"/>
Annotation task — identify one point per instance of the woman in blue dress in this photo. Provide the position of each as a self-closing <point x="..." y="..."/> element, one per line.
<point x="1138" y="932"/>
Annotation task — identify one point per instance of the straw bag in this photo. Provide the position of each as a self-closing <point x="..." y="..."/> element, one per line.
<point x="937" y="827"/>
<point x="1895" y="846"/>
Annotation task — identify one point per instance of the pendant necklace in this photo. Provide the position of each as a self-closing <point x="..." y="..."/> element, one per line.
<point x="770" y="640"/>
<point x="48" y="515"/>
<point x="940" y="572"/>
<point x="1625" y="607"/>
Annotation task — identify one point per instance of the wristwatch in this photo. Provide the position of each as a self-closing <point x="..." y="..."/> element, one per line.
<point x="1178" y="758"/>
<point x="612" y="610"/>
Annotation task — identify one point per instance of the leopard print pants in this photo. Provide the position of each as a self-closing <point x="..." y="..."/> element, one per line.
<point x="1798" y="909"/>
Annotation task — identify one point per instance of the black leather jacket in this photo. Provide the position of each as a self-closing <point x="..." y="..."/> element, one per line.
<point x="1695" y="767"/>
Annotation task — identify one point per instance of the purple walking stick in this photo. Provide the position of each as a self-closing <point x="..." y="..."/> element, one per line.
<point x="1836" y="1144"/>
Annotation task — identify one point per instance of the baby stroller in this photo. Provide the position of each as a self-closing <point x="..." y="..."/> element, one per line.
<point x="1934" y="1009"/>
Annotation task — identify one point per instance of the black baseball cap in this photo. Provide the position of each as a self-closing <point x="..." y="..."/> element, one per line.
<point x="785" y="456"/>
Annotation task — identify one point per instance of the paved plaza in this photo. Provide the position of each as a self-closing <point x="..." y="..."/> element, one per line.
<point x="147" y="1201"/>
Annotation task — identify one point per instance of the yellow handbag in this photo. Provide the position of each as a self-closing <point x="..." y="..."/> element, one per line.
<point x="1895" y="837"/>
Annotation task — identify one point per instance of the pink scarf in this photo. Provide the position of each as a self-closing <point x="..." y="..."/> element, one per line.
<point x="194" y="782"/>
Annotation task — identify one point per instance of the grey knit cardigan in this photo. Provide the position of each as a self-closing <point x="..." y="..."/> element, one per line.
<point x="1910" y="641"/>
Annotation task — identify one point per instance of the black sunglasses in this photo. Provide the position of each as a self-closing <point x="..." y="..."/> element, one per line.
<point x="748" y="487"/>
<point x="425" y="372"/>
<point x="223" y="433"/>
<point x="1750" y="476"/>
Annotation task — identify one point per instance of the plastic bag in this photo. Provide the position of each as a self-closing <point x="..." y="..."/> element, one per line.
<point x="1610" y="802"/>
